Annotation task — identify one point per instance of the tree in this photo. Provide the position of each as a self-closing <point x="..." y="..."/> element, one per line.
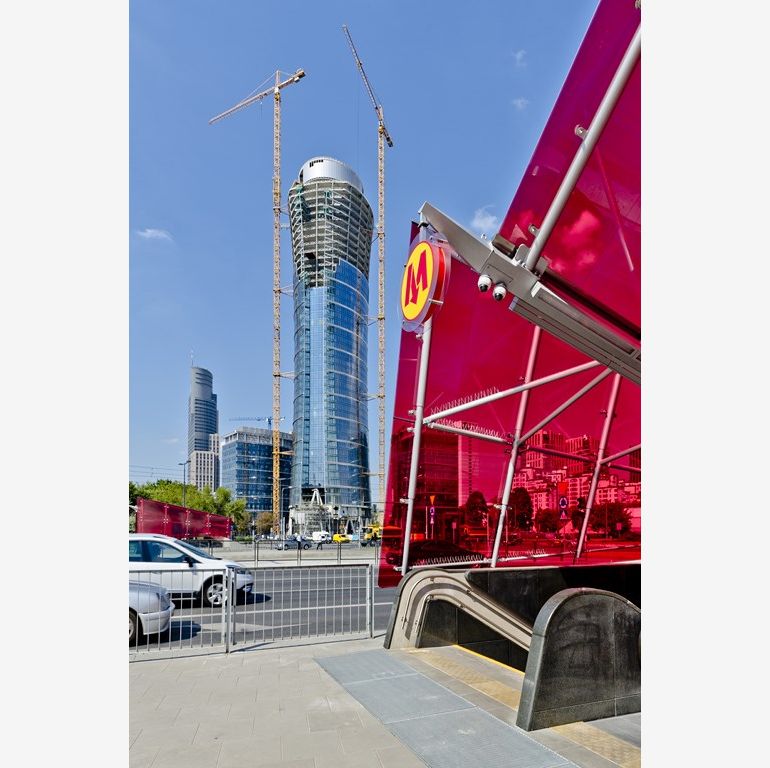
<point x="521" y="508"/>
<point x="476" y="509"/>
<point x="606" y="517"/>
<point x="548" y="520"/>
<point x="264" y="523"/>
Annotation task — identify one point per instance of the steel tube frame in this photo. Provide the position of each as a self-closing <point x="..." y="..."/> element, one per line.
<point x="519" y="438"/>
<point x="466" y="432"/>
<point x="597" y="468"/>
<point x="419" y="408"/>
<point x="589" y="139"/>
<point x="533" y="347"/>
<point x="618" y="455"/>
<point x="513" y="391"/>
<point x="567" y="403"/>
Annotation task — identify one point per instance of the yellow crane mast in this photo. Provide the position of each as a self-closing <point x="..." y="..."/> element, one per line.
<point x="382" y="137"/>
<point x="276" y="418"/>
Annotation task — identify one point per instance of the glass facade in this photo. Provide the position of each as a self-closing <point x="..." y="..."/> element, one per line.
<point x="247" y="467"/>
<point x="202" y="413"/>
<point x="331" y="228"/>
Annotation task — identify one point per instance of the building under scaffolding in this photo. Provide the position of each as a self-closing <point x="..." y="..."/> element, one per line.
<point x="331" y="237"/>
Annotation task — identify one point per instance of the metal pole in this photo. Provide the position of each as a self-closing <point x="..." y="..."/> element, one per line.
<point x="467" y="433"/>
<point x="416" y="435"/>
<point x="513" y="391"/>
<point x="589" y="139"/>
<point x="567" y="403"/>
<point x="515" y="447"/>
<point x="597" y="468"/>
<point x="370" y="599"/>
<point x="227" y="603"/>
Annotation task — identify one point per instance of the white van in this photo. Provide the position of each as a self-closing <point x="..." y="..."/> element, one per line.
<point x="321" y="536"/>
<point x="183" y="569"/>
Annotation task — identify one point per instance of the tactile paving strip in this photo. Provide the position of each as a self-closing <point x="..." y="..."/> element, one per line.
<point x="603" y="744"/>
<point x="440" y="727"/>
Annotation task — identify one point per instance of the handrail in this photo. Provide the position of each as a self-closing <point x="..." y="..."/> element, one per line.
<point x="421" y="586"/>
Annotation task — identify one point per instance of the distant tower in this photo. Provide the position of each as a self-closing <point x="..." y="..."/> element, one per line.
<point x="331" y="238"/>
<point x="204" y="466"/>
<point x="202" y="413"/>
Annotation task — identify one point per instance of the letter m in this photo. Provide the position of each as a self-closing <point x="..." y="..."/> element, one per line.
<point x="416" y="280"/>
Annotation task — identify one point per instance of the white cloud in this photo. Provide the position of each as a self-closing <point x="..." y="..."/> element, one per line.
<point x="520" y="103"/>
<point x="518" y="58"/>
<point x="155" y="234"/>
<point x="485" y="222"/>
<point x="170" y="440"/>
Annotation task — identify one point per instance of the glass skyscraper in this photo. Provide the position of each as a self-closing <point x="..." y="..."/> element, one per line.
<point x="331" y="236"/>
<point x="247" y="467"/>
<point x="202" y="413"/>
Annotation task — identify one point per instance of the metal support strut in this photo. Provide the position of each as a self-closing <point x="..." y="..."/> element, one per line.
<point x="418" y="411"/>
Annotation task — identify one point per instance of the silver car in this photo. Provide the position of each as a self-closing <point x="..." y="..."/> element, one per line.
<point x="184" y="569"/>
<point x="149" y="610"/>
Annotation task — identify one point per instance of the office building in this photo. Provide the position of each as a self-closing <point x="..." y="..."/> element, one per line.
<point x="331" y="237"/>
<point x="202" y="413"/>
<point x="247" y="468"/>
<point x="204" y="466"/>
<point x="545" y="440"/>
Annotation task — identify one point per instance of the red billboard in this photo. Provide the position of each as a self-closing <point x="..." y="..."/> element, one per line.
<point x="180" y="522"/>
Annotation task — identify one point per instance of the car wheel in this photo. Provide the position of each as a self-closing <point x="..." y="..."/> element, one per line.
<point x="134" y="628"/>
<point x="213" y="593"/>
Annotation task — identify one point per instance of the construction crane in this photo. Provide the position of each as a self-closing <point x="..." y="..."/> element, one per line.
<point x="275" y="90"/>
<point x="268" y="419"/>
<point x="382" y="137"/>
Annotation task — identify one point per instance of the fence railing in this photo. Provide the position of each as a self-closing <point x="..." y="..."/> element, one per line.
<point x="272" y="604"/>
<point x="285" y="550"/>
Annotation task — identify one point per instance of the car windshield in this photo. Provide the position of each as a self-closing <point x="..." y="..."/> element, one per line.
<point x="195" y="550"/>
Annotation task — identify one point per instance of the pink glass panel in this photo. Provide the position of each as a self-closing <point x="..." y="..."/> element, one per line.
<point x="180" y="522"/>
<point x="480" y="346"/>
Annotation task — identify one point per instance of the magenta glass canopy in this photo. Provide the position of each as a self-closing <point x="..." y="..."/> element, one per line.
<point x="480" y="347"/>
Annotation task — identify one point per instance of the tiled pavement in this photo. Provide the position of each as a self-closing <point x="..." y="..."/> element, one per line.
<point x="278" y="707"/>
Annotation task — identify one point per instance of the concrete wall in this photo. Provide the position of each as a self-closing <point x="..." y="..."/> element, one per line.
<point x="584" y="661"/>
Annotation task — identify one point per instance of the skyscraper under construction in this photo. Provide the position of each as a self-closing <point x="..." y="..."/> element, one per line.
<point x="331" y="237"/>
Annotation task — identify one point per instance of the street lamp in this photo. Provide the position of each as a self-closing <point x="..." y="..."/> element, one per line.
<point x="183" y="465"/>
<point x="282" y="489"/>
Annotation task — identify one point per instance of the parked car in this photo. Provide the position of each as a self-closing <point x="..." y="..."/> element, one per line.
<point x="294" y="543"/>
<point x="149" y="610"/>
<point x="322" y="536"/>
<point x="184" y="569"/>
<point x="340" y="538"/>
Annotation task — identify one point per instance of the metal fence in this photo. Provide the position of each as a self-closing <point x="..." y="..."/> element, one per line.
<point x="259" y="551"/>
<point x="278" y="604"/>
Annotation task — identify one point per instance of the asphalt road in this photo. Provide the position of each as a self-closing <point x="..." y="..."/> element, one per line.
<point x="285" y="604"/>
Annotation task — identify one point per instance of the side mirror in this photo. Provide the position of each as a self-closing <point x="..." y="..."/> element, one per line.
<point x="190" y="561"/>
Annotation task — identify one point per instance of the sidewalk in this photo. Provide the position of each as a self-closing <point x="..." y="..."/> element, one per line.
<point x="278" y="708"/>
<point x="272" y="708"/>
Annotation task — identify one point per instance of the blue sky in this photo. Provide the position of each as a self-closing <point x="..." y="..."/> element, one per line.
<point x="465" y="97"/>
<point x="98" y="322"/>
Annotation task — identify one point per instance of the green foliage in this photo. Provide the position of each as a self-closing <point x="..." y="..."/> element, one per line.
<point x="548" y="520"/>
<point x="577" y="516"/>
<point x="171" y="492"/>
<point x="264" y="523"/>
<point x="521" y="508"/>
<point x="607" y="516"/>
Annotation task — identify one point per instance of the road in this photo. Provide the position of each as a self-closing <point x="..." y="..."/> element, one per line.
<point x="286" y="603"/>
